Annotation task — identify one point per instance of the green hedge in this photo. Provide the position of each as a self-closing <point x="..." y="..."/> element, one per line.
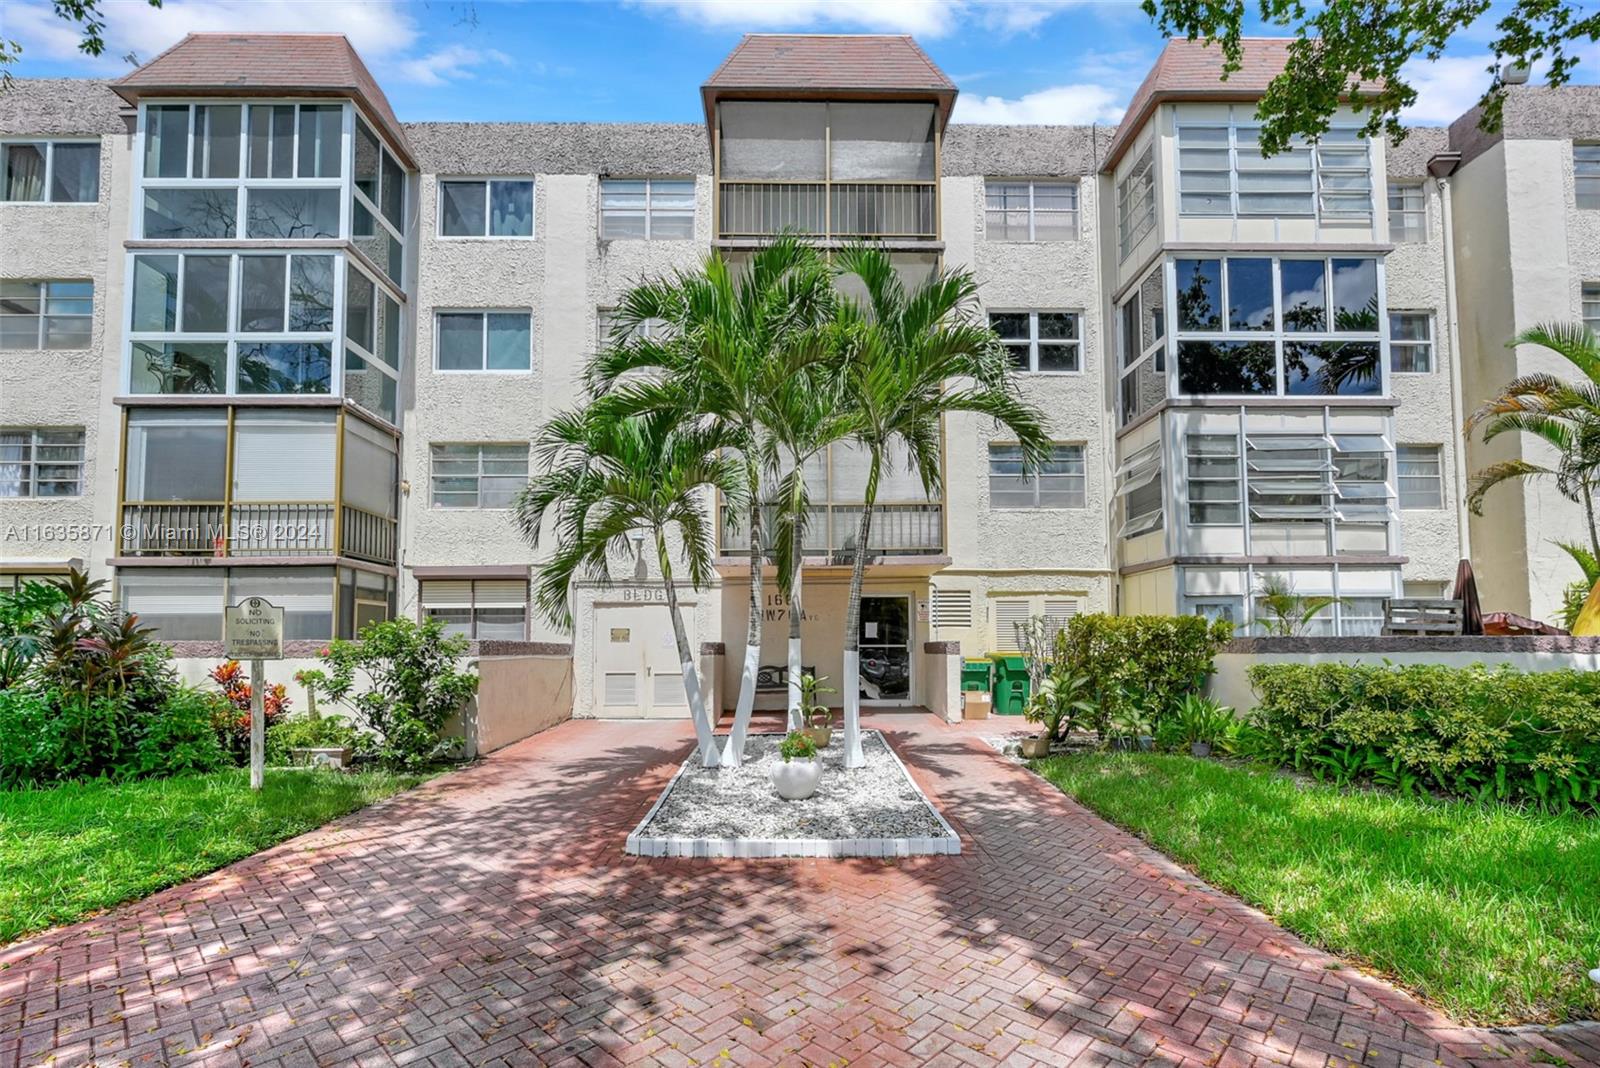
<point x="1490" y="734"/>
<point x="1141" y="664"/>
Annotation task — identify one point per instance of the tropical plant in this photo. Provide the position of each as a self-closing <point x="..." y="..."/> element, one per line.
<point x="22" y="614"/>
<point x="813" y="711"/>
<point x="805" y="416"/>
<point x="413" y="683"/>
<point x="180" y="739"/>
<point x="908" y="358"/>
<point x="1060" y="699"/>
<point x="1577" y="593"/>
<point x="1154" y="660"/>
<point x="1132" y="727"/>
<point x="1282" y="612"/>
<point x="232" y="716"/>
<point x="733" y="340"/>
<point x="311" y="732"/>
<point x="1564" y="415"/>
<point x="1197" y="720"/>
<point x="609" y="475"/>
<point x="797" y="745"/>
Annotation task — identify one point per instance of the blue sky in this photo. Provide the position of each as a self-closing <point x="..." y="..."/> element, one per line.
<point x="1071" y="61"/>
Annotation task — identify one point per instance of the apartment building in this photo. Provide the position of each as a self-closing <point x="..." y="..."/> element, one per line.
<point x="259" y="337"/>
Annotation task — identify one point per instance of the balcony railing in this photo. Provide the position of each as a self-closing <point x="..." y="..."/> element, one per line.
<point x="904" y="210"/>
<point x="897" y="529"/>
<point x="253" y="529"/>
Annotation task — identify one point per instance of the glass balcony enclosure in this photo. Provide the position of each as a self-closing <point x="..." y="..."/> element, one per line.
<point x="1254" y="326"/>
<point x="236" y="482"/>
<point x="278" y="304"/>
<point x="319" y="602"/>
<point x="904" y="521"/>
<point x="836" y="170"/>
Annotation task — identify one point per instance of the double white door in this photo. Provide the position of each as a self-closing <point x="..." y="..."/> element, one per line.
<point x="636" y="669"/>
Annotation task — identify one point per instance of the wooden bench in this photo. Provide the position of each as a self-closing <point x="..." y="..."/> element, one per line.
<point x="1420" y="616"/>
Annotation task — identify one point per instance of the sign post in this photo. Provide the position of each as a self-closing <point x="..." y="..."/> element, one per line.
<point x="253" y="630"/>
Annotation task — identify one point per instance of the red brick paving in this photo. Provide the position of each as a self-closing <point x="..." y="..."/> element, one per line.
<point x="490" y="917"/>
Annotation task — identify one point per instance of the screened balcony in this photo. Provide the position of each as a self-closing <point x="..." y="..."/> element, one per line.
<point x="257" y="483"/>
<point x="838" y="171"/>
<point x="904" y="521"/>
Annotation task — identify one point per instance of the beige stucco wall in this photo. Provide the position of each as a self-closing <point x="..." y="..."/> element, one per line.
<point x="518" y="696"/>
<point x="1523" y="251"/>
<point x="69" y="388"/>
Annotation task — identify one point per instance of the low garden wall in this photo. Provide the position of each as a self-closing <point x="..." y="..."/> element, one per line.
<point x="524" y="687"/>
<point x="1230" y="686"/>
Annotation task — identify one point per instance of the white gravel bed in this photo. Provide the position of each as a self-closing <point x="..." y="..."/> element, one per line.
<point x="875" y="810"/>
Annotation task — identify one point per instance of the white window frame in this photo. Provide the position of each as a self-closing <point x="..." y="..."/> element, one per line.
<point x="344" y="183"/>
<point x="1321" y="169"/>
<point x="1033" y="184"/>
<point x="1136" y="202"/>
<point x="1279" y="335"/>
<point x="1408" y="225"/>
<point x="1436" y="458"/>
<point x="1062" y="452"/>
<point x="1141" y="467"/>
<point x="488" y="198"/>
<point x="44" y="315"/>
<point x="1589" y="306"/>
<point x="483" y="350"/>
<point x="1586" y="175"/>
<point x="606" y="320"/>
<point x="50" y="144"/>
<point x="650" y="209"/>
<point x="232" y="336"/>
<point x="1035" y="343"/>
<point x="1236" y="481"/>
<point x="425" y="610"/>
<point x="32" y="463"/>
<point x="479" y="446"/>
<point x="1429" y="345"/>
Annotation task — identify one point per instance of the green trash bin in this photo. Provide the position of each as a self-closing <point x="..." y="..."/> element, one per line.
<point x="1011" y="685"/>
<point x="975" y="674"/>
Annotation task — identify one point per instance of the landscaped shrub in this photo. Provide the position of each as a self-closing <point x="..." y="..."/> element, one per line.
<point x="88" y="693"/>
<point x="304" y="732"/>
<point x="1139" y="667"/>
<point x="414" y="685"/>
<point x="1490" y="734"/>
<point x="181" y="737"/>
<point x="232" y="722"/>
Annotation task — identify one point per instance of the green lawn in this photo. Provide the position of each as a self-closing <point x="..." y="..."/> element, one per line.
<point x="75" y="849"/>
<point x="1491" y="913"/>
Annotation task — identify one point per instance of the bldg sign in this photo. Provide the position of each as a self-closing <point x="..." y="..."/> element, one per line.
<point x="253" y="630"/>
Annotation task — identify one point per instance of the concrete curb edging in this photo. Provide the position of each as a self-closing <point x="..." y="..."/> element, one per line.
<point x="641" y="845"/>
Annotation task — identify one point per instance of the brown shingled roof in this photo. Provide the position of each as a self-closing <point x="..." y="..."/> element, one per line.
<point x="843" y="66"/>
<point x="1192" y="70"/>
<point x="266" y="64"/>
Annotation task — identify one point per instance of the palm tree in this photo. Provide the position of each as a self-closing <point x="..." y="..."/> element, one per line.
<point x="1285" y="613"/>
<point x="609" y="475"/>
<point x="1564" y="415"/>
<point x="804" y="418"/>
<point x="733" y="339"/>
<point x="907" y="359"/>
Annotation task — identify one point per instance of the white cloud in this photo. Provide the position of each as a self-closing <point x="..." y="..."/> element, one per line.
<point x="1070" y="104"/>
<point x="451" y="62"/>
<point x="924" y="18"/>
<point x="1446" y="87"/>
<point x="376" y="29"/>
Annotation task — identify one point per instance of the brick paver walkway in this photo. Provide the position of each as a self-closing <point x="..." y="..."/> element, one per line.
<point x="490" y="917"/>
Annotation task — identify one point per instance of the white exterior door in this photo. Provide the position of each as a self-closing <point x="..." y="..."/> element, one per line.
<point x="636" y="670"/>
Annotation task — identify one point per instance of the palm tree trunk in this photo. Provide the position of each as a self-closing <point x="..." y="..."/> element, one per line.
<point x="1588" y="515"/>
<point x="796" y="715"/>
<point x="853" y="755"/>
<point x="733" y="752"/>
<point x="705" y="741"/>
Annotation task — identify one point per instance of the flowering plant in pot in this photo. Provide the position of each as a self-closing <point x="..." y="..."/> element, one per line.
<point x="796" y="776"/>
<point x="815" y="713"/>
<point x="1061" y="698"/>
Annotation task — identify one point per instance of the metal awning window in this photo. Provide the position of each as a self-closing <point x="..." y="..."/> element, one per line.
<point x="1139" y="490"/>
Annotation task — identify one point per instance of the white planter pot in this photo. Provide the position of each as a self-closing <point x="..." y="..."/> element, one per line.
<point x="797" y="779"/>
